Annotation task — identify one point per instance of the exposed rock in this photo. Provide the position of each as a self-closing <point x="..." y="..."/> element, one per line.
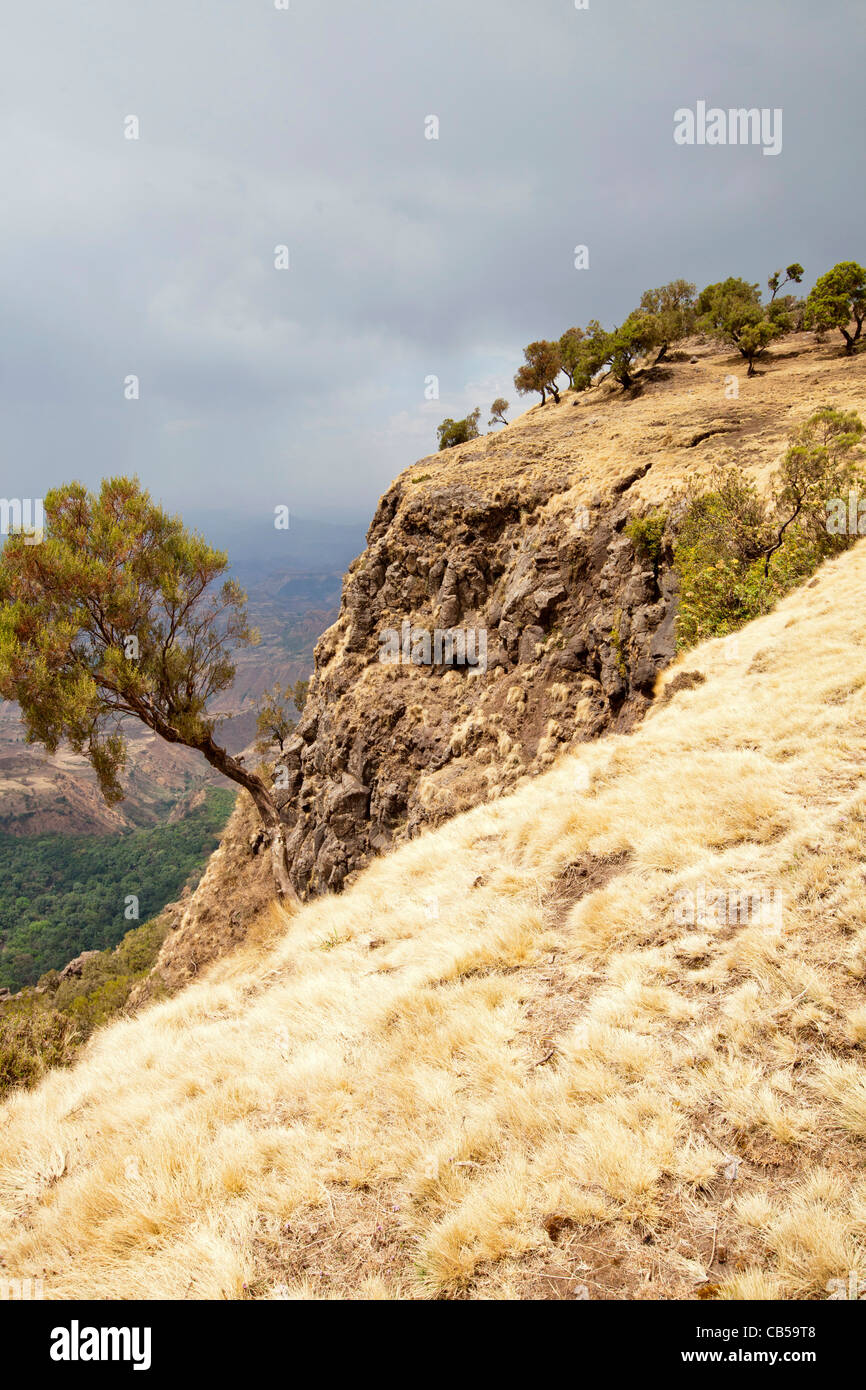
<point x="576" y="628"/>
<point x="75" y="967"/>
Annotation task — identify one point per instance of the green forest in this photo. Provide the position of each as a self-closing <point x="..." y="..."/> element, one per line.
<point x="61" y="895"/>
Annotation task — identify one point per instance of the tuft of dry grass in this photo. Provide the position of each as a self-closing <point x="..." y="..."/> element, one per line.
<point x="533" y="1049"/>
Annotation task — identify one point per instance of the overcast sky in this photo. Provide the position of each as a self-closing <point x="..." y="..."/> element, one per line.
<point x="409" y="257"/>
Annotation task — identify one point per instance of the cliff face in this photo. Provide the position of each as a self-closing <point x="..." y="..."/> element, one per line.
<point x="572" y="624"/>
<point x="519" y="535"/>
<point x="518" y="539"/>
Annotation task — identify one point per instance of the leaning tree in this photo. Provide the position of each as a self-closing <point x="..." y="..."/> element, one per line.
<point x="117" y="612"/>
<point x="540" y="370"/>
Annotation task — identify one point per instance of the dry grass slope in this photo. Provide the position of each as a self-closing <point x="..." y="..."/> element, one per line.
<point x="502" y="1065"/>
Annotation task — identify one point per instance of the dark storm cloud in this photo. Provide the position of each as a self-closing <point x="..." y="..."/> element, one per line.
<point x="409" y="257"/>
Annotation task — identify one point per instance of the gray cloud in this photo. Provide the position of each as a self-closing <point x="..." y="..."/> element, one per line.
<point x="409" y="257"/>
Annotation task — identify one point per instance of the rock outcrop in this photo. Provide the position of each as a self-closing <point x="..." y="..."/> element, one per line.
<point x="519" y="535"/>
<point x="574" y="626"/>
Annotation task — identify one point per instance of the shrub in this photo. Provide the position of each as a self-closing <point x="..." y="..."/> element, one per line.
<point x="453" y="432"/>
<point x="737" y="553"/>
<point x="32" y="1041"/>
<point x="646" y="534"/>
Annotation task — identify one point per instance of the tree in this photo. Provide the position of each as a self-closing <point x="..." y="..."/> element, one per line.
<point x="837" y="298"/>
<point x="593" y="352"/>
<point x="273" y="723"/>
<point x="569" y="351"/>
<point x="732" y="310"/>
<point x="671" y="308"/>
<point x="299" y="692"/>
<point x="453" y="432"/>
<point x="539" y="372"/>
<point x="118" y="614"/>
<point x="793" y="275"/>
<point x="822" y="462"/>
<point x="629" y="342"/>
<point x="497" y="411"/>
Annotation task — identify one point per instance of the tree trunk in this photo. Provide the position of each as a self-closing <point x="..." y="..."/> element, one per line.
<point x="234" y="769"/>
<point x="780" y="538"/>
<point x="266" y="807"/>
<point x="662" y="353"/>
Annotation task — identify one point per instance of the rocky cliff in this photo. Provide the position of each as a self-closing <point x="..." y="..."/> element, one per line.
<point x="574" y="626"/>
<point x="521" y="536"/>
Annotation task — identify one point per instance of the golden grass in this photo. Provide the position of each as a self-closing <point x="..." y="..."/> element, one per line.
<point x="506" y="1061"/>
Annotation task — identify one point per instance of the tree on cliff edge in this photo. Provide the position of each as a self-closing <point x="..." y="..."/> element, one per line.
<point x="117" y="613"/>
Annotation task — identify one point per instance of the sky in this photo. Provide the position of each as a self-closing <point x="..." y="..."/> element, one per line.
<point x="409" y="258"/>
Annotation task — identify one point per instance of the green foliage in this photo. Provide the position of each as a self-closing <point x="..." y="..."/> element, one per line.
<point x="569" y="351"/>
<point x="46" y="1027"/>
<point x="61" y="895"/>
<point x="115" y="614"/>
<point x="788" y="313"/>
<point x="118" y="614"/>
<point x="452" y="432"/>
<point x="299" y="692"/>
<point x="592" y="353"/>
<point x="732" y="311"/>
<point x="670" y="310"/>
<point x="497" y="411"/>
<point x="646" y="534"/>
<point x="617" y="643"/>
<point x="793" y="275"/>
<point x="737" y="553"/>
<point x="540" y="370"/>
<point x="628" y="342"/>
<point x="32" y="1040"/>
<point x="837" y="298"/>
<point x="274" y="724"/>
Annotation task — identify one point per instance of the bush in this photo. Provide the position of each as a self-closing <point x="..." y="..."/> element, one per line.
<point x="736" y="553"/>
<point x="452" y="432"/>
<point x="32" y="1041"/>
<point x="47" y="1028"/>
<point x="646" y="535"/>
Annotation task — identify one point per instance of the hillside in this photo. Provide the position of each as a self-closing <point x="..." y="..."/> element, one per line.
<point x="520" y="535"/>
<point x="64" y="894"/>
<point x="525" y="1052"/>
